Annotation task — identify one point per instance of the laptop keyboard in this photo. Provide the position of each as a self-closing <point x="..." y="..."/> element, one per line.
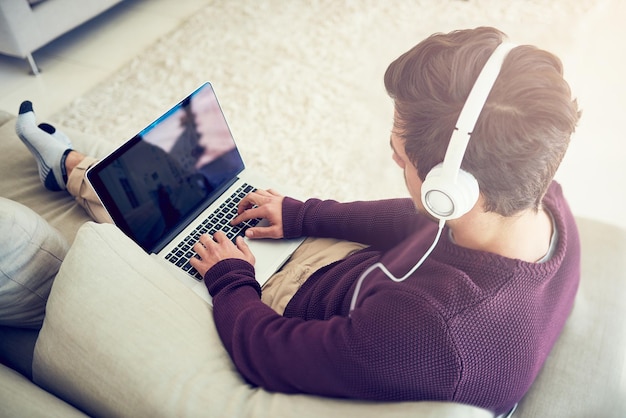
<point x="217" y="221"/>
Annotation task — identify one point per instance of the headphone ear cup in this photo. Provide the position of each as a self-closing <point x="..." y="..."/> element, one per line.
<point x="446" y="199"/>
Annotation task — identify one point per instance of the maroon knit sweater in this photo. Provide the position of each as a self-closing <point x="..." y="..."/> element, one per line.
<point x="467" y="326"/>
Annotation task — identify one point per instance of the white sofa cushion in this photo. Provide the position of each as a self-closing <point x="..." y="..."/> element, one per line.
<point x="124" y="338"/>
<point x="31" y="252"/>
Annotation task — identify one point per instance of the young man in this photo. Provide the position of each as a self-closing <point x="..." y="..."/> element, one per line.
<point x="476" y="320"/>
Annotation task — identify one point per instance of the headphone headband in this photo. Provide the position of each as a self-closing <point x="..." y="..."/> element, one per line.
<point x="448" y="192"/>
<point x="472" y="108"/>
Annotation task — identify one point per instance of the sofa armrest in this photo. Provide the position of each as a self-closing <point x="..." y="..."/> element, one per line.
<point x="124" y="338"/>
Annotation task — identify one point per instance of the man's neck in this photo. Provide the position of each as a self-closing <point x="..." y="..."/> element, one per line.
<point x="525" y="236"/>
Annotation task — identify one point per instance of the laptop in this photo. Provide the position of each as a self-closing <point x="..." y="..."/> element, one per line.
<point x="179" y="177"/>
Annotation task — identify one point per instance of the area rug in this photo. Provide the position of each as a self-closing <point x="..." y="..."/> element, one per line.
<point x="300" y="82"/>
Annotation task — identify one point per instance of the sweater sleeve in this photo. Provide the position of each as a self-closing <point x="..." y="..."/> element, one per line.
<point x="380" y="353"/>
<point x="382" y="223"/>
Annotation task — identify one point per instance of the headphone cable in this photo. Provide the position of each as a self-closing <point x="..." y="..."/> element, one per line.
<point x="384" y="269"/>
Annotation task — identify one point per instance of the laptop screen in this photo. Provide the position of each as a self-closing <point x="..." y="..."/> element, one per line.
<point x="173" y="168"/>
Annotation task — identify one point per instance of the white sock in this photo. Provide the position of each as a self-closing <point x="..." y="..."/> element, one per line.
<point x="48" y="145"/>
<point x="58" y="135"/>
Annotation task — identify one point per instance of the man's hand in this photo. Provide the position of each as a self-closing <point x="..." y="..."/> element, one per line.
<point x="212" y="250"/>
<point x="266" y="204"/>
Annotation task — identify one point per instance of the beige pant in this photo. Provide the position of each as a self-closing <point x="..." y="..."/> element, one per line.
<point x="312" y="255"/>
<point x="79" y="187"/>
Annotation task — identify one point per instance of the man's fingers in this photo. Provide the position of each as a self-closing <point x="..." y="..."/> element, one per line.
<point x="273" y="192"/>
<point x="245" y="204"/>
<point x="256" y="198"/>
<point x="252" y="213"/>
<point x="245" y="249"/>
<point x="272" y="231"/>
<point x="251" y="200"/>
<point x="220" y="237"/>
<point x="205" y="241"/>
<point x="197" y="264"/>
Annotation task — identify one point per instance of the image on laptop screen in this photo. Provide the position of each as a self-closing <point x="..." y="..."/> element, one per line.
<point x="171" y="168"/>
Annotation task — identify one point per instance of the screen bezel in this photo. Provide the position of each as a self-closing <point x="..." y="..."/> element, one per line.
<point x="94" y="176"/>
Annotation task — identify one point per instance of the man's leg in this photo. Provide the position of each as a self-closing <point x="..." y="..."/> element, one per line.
<point x="313" y="254"/>
<point x="77" y="164"/>
<point x="60" y="167"/>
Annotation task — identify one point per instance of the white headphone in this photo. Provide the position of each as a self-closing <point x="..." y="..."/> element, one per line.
<point x="448" y="192"/>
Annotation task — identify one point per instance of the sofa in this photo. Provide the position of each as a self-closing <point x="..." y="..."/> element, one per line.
<point x="27" y="25"/>
<point x="121" y="337"/>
